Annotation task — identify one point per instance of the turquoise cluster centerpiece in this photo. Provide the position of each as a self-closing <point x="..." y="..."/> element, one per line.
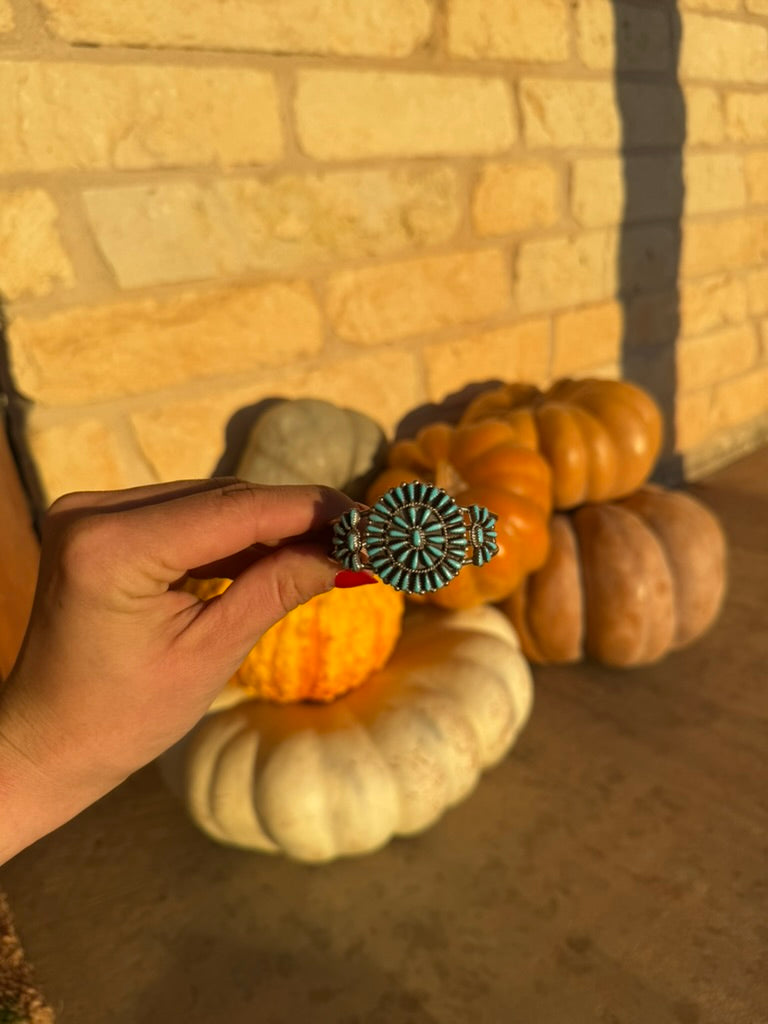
<point x="415" y="538"/>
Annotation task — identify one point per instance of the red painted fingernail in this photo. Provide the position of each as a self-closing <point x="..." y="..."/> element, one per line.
<point x="346" y="578"/>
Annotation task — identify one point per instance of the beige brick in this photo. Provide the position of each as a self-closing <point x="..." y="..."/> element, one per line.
<point x="723" y="50"/>
<point x="383" y="28"/>
<point x="569" y="113"/>
<point x="535" y="32"/>
<point x="705" y="121"/>
<point x="557" y="272"/>
<point x="587" y="337"/>
<point x="715" y="357"/>
<point x="605" y="371"/>
<point x="736" y="401"/>
<point x="86" y="354"/>
<point x="381" y="303"/>
<point x="570" y="271"/>
<point x="575" y="112"/>
<point x="723" y="244"/>
<point x="598" y="189"/>
<point x="83" y="455"/>
<point x="757" y="6"/>
<point x="757" y="291"/>
<point x="514" y="352"/>
<point x="33" y="257"/>
<point x="643" y="36"/>
<point x="184" y="230"/>
<point x="712" y="302"/>
<point x="95" y="116"/>
<point x="756" y="168"/>
<point x="355" y="114"/>
<point x="713" y="5"/>
<point x="6" y="16"/>
<point x="746" y="116"/>
<point x="713" y="181"/>
<point x="516" y="196"/>
<point x="186" y="437"/>
<point x="693" y="419"/>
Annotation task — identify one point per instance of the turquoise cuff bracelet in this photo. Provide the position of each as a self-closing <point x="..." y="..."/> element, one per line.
<point x="415" y="538"/>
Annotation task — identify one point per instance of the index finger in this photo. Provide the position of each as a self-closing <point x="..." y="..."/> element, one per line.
<point x="170" y="537"/>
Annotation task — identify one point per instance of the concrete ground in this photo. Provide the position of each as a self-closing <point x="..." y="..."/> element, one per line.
<point x="613" y="870"/>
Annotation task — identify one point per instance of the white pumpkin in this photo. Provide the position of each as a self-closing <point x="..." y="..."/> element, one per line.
<point x="320" y="782"/>
<point x="310" y="441"/>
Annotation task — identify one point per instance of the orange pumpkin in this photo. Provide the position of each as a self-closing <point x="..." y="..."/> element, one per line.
<point x="601" y="437"/>
<point x="321" y="649"/>
<point x="624" y="583"/>
<point x="481" y="464"/>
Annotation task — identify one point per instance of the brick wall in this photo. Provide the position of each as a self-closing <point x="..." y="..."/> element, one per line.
<point x="205" y="205"/>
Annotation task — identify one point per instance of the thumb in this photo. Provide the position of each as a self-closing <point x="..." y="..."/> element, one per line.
<point x="232" y="623"/>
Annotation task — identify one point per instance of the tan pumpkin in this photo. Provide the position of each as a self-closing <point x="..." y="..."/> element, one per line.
<point x="600" y="437"/>
<point x="318" y="782"/>
<point x="625" y="582"/>
<point x="480" y="464"/>
<point x="323" y="648"/>
<point x="310" y="441"/>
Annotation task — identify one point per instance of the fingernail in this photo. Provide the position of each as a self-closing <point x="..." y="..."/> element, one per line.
<point x="346" y="578"/>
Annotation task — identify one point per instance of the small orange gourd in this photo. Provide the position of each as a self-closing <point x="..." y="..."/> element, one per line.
<point x="482" y="464"/>
<point x="600" y="437"/>
<point x="321" y="649"/>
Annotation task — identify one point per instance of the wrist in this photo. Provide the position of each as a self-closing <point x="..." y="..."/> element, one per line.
<point x="43" y="780"/>
<point x="23" y="788"/>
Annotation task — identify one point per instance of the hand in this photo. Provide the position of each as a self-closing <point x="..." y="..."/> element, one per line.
<point x="118" y="662"/>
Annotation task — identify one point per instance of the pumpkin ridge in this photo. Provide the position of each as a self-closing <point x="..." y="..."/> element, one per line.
<point x="498" y="681"/>
<point x="580" y="578"/>
<point x="232" y="814"/>
<point x="554" y="592"/>
<point x="601" y="436"/>
<point x="200" y="786"/>
<point x="694" y="547"/>
<point x="643" y="611"/>
<point x="525" y="504"/>
<point x="438" y="740"/>
<point x="657" y="541"/>
<point x="308" y="805"/>
<point x="516" y="606"/>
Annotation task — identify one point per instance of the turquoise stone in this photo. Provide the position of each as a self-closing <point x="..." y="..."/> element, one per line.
<point x="416" y="537"/>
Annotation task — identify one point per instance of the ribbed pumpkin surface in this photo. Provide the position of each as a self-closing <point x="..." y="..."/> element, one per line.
<point x="600" y="437"/>
<point x="482" y="464"/>
<point x="625" y="582"/>
<point x="321" y="649"/>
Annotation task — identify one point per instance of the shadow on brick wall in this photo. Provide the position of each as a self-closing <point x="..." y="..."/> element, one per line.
<point x="13" y="411"/>
<point x="653" y="126"/>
